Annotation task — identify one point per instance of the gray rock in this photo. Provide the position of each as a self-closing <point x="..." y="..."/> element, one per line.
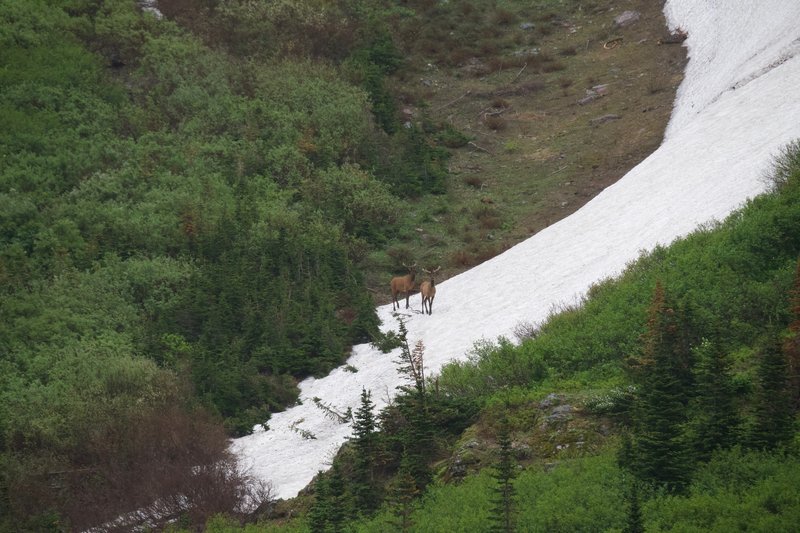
<point x="527" y="26"/>
<point x="602" y="120"/>
<point x="550" y="400"/>
<point x="560" y="413"/>
<point x="589" y="98"/>
<point x="627" y="18"/>
<point x="525" y="52"/>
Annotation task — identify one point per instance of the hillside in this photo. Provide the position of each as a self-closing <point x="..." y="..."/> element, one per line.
<point x="700" y="173"/>
<point x="199" y="211"/>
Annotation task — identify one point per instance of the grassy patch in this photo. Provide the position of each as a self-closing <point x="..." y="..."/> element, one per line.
<point x="508" y="78"/>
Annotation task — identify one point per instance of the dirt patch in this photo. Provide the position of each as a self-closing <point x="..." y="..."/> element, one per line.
<point x="542" y="155"/>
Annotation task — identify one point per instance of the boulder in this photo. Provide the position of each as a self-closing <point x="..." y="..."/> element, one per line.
<point x="626" y="19"/>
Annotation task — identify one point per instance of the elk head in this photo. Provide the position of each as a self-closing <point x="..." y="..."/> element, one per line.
<point x="427" y="290"/>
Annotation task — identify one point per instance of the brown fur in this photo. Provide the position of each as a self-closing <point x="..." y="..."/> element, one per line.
<point x="428" y="290"/>
<point x="404" y="284"/>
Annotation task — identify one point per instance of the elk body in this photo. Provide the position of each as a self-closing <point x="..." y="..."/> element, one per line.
<point x="404" y="284"/>
<point x="427" y="290"/>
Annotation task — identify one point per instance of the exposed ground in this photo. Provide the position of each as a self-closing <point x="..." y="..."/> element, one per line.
<point x="558" y="104"/>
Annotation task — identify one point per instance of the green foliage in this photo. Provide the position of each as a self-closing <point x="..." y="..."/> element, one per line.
<point x="416" y="166"/>
<point x="735" y="491"/>
<point x="370" y="65"/>
<point x="714" y="421"/>
<point x="403" y="493"/>
<point x="490" y="368"/>
<point x="659" y="453"/>
<point x="353" y="200"/>
<point x="773" y="416"/>
<point x="503" y="504"/>
<point x="367" y="450"/>
<point x="172" y="211"/>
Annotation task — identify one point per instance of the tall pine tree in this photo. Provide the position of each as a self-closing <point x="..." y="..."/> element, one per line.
<point x="633" y="519"/>
<point x="417" y="434"/>
<point x="660" y="452"/>
<point x="365" y="445"/>
<point x="503" y="503"/>
<point x="773" y="415"/>
<point x="320" y="510"/>
<point x="714" y="420"/>
<point x="403" y="492"/>
<point x="791" y="343"/>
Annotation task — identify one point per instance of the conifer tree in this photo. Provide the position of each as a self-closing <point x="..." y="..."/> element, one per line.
<point x="714" y="420"/>
<point x="417" y="434"/>
<point x="625" y="455"/>
<point x="411" y="362"/>
<point x="403" y="491"/>
<point x="365" y="443"/>
<point x="502" y="511"/>
<point x="791" y="344"/>
<point x="633" y="522"/>
<point x="659" y="412"/>
<point x="773" y="417"/>
<point x="339" y="509"/>
<point x="320" y="510"/>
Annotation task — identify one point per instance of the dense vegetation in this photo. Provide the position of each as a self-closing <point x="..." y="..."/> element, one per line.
<point x="181" y="222"/>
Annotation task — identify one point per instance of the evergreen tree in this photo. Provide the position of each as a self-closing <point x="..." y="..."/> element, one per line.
<point x="714" y="419"/>
<point x="411" y="362"/>
<point x="773" y="417"/>
<point x="339" y="509"/>
<point x="403" y="491"/>
<point x="633" y="522"/>
<point x="319" y="514"/>
<point x="659" y="412"/>
<point x="331" y="507"/>
<point x="625" y="455"/>
<point x="502" y="512"/>
<point x="417" y="433"/>
<point x="365" y="444"/>
<point x="791" y="344"/>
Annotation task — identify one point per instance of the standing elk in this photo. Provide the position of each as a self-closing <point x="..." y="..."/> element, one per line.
<point x="403" y="284"/>
<point x="427" y="290"/>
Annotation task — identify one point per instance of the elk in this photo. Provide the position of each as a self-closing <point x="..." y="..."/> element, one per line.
<point x="427" y="290"/>
<point x="403" y="284"/>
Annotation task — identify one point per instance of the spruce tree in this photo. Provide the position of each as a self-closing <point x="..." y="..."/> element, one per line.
<point x="417" y="434"/>
<point x="714" y="418"/>
<point x="320" y="510"/>
<point x="403" y="491"/>
<point x="791" y="343"/>
<point x="338" y="508"/>
<point x="502" y="511"/>
<point x="660" y="451"/>
<point x="365" y="445"/>
<point x="633" y="521"/>
<point x="773" y="416"/>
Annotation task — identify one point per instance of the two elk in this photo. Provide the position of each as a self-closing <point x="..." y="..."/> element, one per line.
<point x="404" y="284"/>
<point x="428" y="290"/>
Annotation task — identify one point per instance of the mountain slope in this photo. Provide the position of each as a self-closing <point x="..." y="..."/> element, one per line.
<point x="723" y="132"/>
